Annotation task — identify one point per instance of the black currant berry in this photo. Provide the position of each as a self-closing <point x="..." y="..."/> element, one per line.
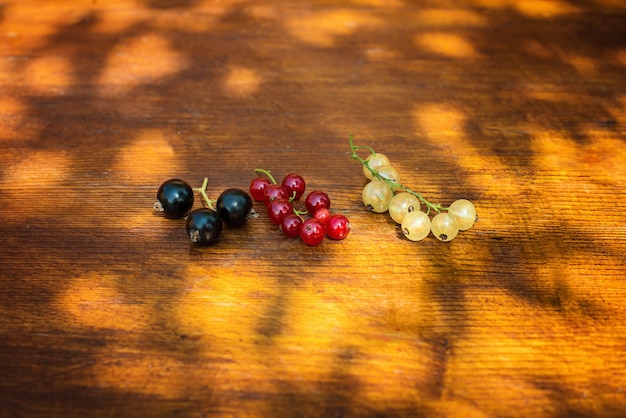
<point x="204" y="226"/>
<point x="174" y="198"/>
<point x="234" y="206"/>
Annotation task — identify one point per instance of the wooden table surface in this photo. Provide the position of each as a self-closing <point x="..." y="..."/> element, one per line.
<point x="108" y="309"/>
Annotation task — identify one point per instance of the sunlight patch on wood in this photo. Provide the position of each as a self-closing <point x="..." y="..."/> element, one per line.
<point x="39" y="169"/>
<point x="117" y="21"/>
<point x="440" y="119"/>
<point x="447" y="44"/>
<point x="149" y="374"/>
<point x="49" y="74"/>
<point x="145" y="158"/>
<point x="323" y="28"/>
<point x="18" y="18"/>
<point x="31" y="183"/>
<point x="546" y="9"/>
<point x="222" y="296"/>
<point x="444" y="127"/>
<point x="492" y="4"/>
<point x="603" y="155"/>
<point x="584" y="65"/>
<point x="262" y="11"/>
<point x="138" y="61"/>
<point x="534" y="8"/>
<point x="242" y="82"/>
<point x="378" y="3"/>
<point x="94" y="301"/>
<point x="450" y="18"/>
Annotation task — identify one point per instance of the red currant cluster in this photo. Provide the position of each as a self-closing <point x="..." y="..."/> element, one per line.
<point x="279" y="198"/>
<point x="175" y="200"/>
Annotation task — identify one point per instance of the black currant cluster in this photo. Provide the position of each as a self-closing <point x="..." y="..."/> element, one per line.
<point x="175" y="199"/>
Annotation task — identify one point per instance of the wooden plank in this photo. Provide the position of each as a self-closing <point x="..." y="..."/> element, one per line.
<point x="107" y="309"/>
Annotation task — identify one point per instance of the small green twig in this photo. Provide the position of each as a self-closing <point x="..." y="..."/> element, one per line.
<point x="267" y="173"/>
<point x="300" y="213"/>
<point x="202" y="191"/>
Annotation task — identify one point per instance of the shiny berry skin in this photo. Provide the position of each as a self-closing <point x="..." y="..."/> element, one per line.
<point x="338" y="227"/>
<point x="322" y="215"/>
<point x="278" y="209"/>
<point x="291" y="225"/>
<point x="295" y="185"/>
<point x="174" y="198"/>
<point x="234" y="206"/>
<point x="257" y="188"/>
<point x="316" y="200"/>
<point x="204" y="226"/>
<point x="273" y="192"/>
<point x="312" y="232"/>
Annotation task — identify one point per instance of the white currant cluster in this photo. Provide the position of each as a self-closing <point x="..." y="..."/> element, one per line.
<point x="385" y="193"/>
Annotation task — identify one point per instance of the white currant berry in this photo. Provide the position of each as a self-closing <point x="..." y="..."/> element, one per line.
<point x="374" y="161"/>
<point x="401" y="204"/>
<point x="444" y="226"/>
<point x="390" y="173"/>
<point x="416" y="225"/>
<point x="376" y="196"/>
<point x="464" y="212"/>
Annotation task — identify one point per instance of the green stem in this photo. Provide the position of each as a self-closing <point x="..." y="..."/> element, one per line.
<point x="202" y="191"/>
<point x="300" y="213"/>
<point x="355" y="156"/>
<point x="267" y="173"/>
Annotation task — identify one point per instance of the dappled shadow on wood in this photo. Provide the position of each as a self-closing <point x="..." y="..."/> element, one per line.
<point x="110" y="307"/>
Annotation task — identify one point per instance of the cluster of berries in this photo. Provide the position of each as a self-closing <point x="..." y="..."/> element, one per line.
<point x="279" y="198"/>
<point x="175" y="200"/>
<point x="385" y="193"/>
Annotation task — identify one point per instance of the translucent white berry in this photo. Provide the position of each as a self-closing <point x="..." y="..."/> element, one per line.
<point x="464" y="212"/>
<point x="401" y="204"/>
<point x="416" y="225"/>
<point x="444" y="226"/>
<point x="375" y="160"/>
<point x="389" y="172"/>
<point x="376" y="196"/>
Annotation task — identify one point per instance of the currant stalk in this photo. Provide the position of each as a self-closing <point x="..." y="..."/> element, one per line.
<point x="202" y="191"/>
<point x="266" y="173"/>
<point x="437" y="207"/>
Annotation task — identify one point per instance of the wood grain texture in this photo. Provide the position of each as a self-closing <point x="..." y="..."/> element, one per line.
<point x="107" y="309"/>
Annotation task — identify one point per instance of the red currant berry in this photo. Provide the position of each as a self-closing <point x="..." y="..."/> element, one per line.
<point x="278" y="209"/>
<point x="258" y="186"/>
<point x="273" y="192"/>
<point x="312" y="232"/>
<point x="291" y="225"/>
<point x="294" y="185"/>
<point x="322" y="215"/>
<point x="338" y="227"/>
<point x="316" y="200"/>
